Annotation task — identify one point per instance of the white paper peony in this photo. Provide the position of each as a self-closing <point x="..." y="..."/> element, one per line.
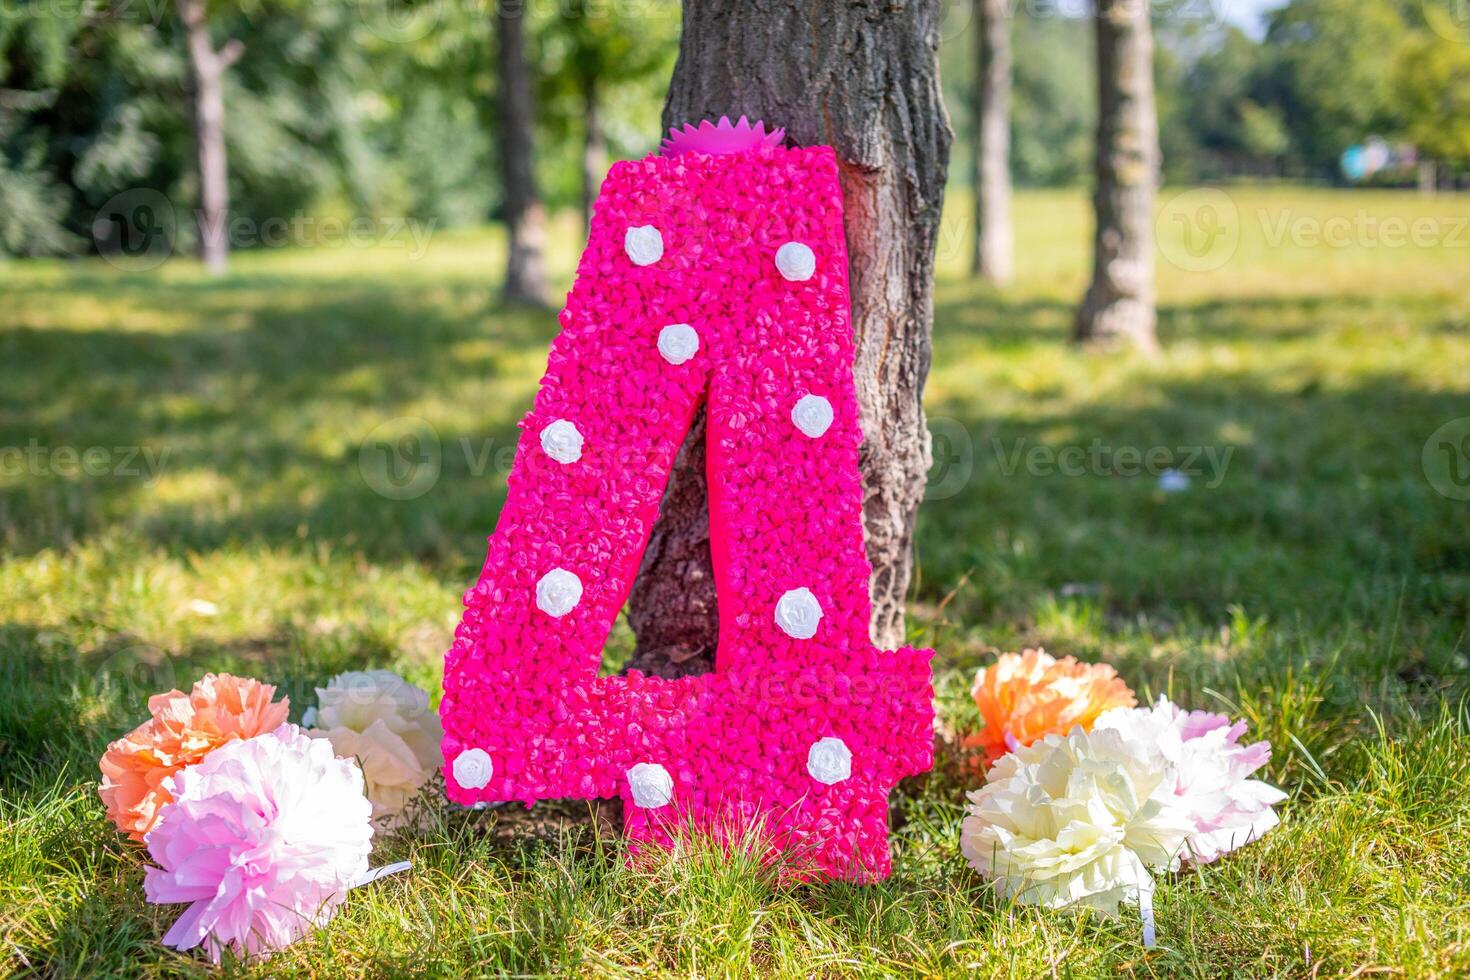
<point x="1076" y="821"/>
<point x="1226" y="809"/>
<point x="388" y="726"/>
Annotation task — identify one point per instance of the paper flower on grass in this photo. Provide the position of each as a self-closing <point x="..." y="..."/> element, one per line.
<point x="385" y="723"/>
<point x="1225" y="807"/>
<point x="1028" y="695"/>
<point x="263" y="840"/>
<point x="1078" y="820"/>
<point x="183" y="729"/>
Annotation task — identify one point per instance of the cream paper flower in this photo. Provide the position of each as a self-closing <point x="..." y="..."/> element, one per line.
<point x="1076" y="820"/>
<point x="386" y="724"/>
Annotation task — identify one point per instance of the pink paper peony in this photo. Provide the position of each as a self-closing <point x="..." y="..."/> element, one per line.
<point x="1226" y="807"/>
<point x="263" y="839"/>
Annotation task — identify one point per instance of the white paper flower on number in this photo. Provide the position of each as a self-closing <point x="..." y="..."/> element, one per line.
<point x="812" y="414"/>
<point x="798" y="613"/>
<point x="678" y="342"/>
<point x="644" y="244"/>
<point x="558" y="592"/>
<point x="796" y="262"/>
<point x="829" y="760"/>
<point x="650" y="784"/>
<point x="562" y="442"/>
<point x="1076" y="820"/>
<point x="473" y="768"/>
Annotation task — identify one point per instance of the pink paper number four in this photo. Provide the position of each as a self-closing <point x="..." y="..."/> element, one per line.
<point x="715" y="279"/>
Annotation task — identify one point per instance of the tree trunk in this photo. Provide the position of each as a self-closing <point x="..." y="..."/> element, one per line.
<point x="861" y="76"/>
<point x="594" y="147"/>
<point x="525" y="218"/>
<point x="206" y="89"/>
<point x="994" y="246"/>
<point x="1428" y="177"/>
<point x="1119" y="305"/>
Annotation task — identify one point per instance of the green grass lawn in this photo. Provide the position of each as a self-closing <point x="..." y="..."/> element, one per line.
<point x="184" y="489"/>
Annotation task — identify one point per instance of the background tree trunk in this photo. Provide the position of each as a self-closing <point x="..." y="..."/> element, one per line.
<point x="594" y="147"/>
<point x="525" y="217"/>
<point x="206" y="89"/>
<point x="863" y="77"/>
<point x="1428" y="176"/>
<point x="1119" y="305"/>
<point x="994" y="246"/>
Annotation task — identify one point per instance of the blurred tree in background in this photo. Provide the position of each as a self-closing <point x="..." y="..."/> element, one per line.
<point x="1431" y="84"/>
<point x="1328" y="66"/>
<point x="604" y="68"/>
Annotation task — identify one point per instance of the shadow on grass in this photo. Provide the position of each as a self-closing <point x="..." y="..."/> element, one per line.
<point x="1301" y="491"/>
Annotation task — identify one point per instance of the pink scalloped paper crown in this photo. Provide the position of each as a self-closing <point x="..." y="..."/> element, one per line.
<point x="714" y="279"/>
<point x="726" y="137"/>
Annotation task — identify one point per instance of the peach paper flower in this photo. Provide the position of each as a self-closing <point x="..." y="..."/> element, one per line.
<point x="1026" y="696"/>
<point x="183" y="730"/>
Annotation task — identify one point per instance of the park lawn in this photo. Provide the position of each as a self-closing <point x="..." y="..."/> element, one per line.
<point x="1311" y="578"/>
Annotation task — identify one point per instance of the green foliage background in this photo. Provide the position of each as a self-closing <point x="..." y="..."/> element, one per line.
<point x="387" y="108"/>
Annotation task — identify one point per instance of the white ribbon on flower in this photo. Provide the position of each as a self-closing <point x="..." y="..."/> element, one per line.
<point x="373" y="874"/>
<point x="1146" y="913"/>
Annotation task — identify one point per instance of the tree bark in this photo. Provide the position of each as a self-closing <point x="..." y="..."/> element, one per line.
<point x="994" y="246"/>
<point x="1118" y="308"/>
<point x="594" y="147"/>
<point x="861" y="76"/>
<point x="206" y="90"/>
<point x="525" y="217"/>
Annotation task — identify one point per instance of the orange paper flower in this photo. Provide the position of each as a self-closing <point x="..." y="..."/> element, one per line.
<point x="1026" y="696"/>
<point x="184" y="729"/>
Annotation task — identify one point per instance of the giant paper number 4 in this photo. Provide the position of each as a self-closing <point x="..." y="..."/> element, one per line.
<point x="714" y="273"/>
